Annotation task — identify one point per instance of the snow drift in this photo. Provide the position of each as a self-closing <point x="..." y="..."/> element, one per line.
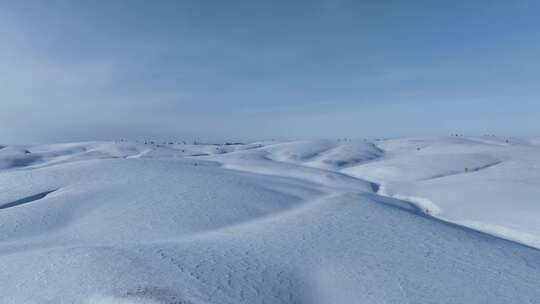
<point x="270" y="222"/>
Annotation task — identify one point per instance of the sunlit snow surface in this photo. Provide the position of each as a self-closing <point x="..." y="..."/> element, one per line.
<point x="420" y="220"/>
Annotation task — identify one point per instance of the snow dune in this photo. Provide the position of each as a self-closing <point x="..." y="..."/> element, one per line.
<point x="270" y="222"/>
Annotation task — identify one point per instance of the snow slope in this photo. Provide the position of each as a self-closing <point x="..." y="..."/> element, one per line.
<point x="269" y="222"/>
<point x="485" y="183"/>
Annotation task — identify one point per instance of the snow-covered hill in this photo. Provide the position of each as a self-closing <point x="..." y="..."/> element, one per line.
<point x="486" y="183"/>
<point x="271" y="222"/>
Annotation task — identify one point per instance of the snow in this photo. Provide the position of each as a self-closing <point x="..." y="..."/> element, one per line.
<point x="325" y="221"/>
<point x="12" y="157"/>
<point x="484" y="183"/>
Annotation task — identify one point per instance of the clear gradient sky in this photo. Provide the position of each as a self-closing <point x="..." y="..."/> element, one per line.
<point x="242" y="70"/>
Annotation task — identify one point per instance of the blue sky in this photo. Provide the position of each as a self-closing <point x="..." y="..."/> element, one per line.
<point x="244" y="70"/>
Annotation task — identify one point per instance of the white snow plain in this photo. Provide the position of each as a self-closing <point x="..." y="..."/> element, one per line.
<point x="426" y="220"/>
